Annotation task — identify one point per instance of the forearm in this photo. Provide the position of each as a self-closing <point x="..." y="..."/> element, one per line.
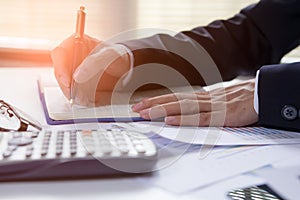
<point x="180" y="53"/>
<point x="259" y="35"/>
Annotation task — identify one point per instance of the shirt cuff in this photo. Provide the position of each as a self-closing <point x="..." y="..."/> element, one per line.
<point x="256" y="104"/>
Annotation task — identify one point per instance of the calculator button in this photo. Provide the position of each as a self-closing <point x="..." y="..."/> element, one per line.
<point x="73" y="133"/>
<point x="45" y="148"/>
<point x="48" y="134"/>
<point x="73" y="151"/>
<point x="73" y="141"/>
<point x="60" y="136"/>
<point x="59" y="143"/>
<point x="20" y="141"/>
<point x="17" y="134"/>
<point x="44" y="152"/>
<point x="34" y="135"/>
<point x="58" y="152"/>
<point x="140" y="148"/>
<point x="73" y="137"/>
<point x="123" y="148"/>
<point x="121" y="143"/>
<point x="46" y="142"/>
<point x="136" y="142"/>
<point x="11" y="147"/>
<point x="46" y="138"/>
<point x="28" y="153"/>
<point x="88" y="141"/>
<point x="59" y="146"/>
<point x="106" y="149"/>
<point x="73" y="146"/>
<point x="7" y="154"/>
<point x="30" y="148"/>
<point x="90" y="150"/>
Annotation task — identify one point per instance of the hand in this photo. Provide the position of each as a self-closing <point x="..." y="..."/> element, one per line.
<point x="234" y="103"/>
<point x="99" y="69"/>
<point x="62" y="58"/>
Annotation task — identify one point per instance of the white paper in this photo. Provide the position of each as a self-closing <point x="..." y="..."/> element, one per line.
<point x="219" y="191"/>
<point x="219" y="136"/>
<point x="284" y="181"/>
<point x="188" y="172"/>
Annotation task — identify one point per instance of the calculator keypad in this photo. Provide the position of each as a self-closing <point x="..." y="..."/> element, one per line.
<point x="104" y="143"/>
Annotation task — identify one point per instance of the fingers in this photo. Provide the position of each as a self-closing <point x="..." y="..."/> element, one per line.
<point x="230" y="106"/>
<point x="182" y="107"/>
<point x="149" y="102"/>
<point x="61" y="69"/>
<point x="62" y="62"/>
<point x="235" y="115"/>
<point x="199" y="119"/>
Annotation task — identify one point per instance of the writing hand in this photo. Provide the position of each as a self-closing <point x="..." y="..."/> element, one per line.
<point x="235" y="103"/>
<point x="62" y="58"/>
<point x="97" y="74"/>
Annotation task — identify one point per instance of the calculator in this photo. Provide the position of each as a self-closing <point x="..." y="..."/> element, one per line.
<point x="61" y="154"/>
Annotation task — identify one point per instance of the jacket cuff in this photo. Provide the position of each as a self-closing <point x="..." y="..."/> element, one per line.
<point x="279" y="96"/>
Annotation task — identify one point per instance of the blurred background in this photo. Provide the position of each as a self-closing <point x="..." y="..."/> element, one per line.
<point x="36" y="24"/>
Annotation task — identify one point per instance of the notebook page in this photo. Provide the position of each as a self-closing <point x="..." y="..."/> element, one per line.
<point x="59" y="108"/>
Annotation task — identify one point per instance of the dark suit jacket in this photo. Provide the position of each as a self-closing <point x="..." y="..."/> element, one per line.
<point x="261" y="34"/>
<point x="279" y="96"/>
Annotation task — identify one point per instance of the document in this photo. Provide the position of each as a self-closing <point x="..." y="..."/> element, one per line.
<point x="189" y="172"/>
<point x="218" y="136"/>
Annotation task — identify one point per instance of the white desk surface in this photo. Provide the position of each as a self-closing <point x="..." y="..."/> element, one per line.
<point x="18" y="86"/>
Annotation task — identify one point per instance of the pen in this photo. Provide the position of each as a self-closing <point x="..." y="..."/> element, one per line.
<point x="78" y="42"/>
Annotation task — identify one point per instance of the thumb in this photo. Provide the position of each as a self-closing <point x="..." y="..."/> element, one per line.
<point x="103" y="60"/>
<point x="86" y="70"/>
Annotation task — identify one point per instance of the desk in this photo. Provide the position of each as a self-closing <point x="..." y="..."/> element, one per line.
<point x="18" y="86"/>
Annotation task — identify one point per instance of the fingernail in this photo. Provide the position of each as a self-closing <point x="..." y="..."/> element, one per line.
<point x="145" y="113"/>
<point x="169" y="120"/>
<point x="65" y="81"/>
<point x="137" y="107"/>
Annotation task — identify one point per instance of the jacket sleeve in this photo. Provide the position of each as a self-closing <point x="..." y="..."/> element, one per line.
<point x="260" y="34"/>
<point x="279" y="96"/>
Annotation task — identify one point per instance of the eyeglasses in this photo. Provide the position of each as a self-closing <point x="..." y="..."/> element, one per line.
<point x="14" y="119"/>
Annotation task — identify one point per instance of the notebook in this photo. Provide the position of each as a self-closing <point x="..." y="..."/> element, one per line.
<point x="58" y="110"/>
